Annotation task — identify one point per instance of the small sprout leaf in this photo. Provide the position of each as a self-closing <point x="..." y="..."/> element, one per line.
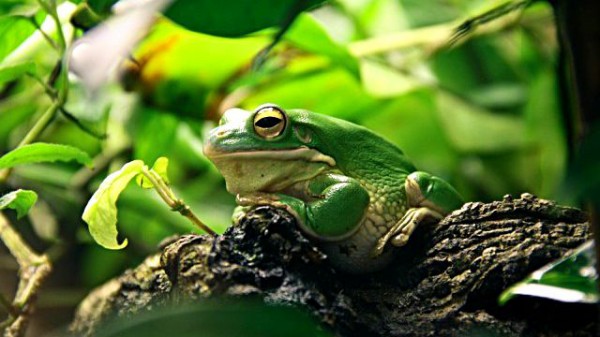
<point x="101" y="211"/>
<point x="44" y="152"/>
<point x="160" y="166"/>
<point x="19" y="200"/>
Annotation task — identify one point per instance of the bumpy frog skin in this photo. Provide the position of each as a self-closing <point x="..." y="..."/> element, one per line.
<point x="350" y="190"/>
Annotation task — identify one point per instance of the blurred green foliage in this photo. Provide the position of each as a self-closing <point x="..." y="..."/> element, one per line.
<point x="483" y="114"/>
<point x="214" y="318"/>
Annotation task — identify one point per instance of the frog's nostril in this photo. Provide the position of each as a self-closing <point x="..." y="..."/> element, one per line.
<point x="222" y="133"/>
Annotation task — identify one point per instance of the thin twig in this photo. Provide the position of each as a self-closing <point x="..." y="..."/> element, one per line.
<point x="442" y="36"/>
<point x="50" y="8"/>
<point x="471" y="24"/>
<point x="34" y="133"/>
<point x="41" y="124"/>
<point x="69" y="116"/>
<point x="50" y="91"/>
<point x="401" y="40"/>
<point x="46" y="36"/>
<point x="33" y="270"/>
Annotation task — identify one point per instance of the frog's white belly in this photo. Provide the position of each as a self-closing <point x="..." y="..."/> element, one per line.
<point x="353" y="254"/>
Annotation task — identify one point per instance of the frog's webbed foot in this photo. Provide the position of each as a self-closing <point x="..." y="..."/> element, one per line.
<point x="399" y="234"/>
<point x="429" y="199"/>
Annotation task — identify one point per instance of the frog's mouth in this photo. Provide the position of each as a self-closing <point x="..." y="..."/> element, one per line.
<point x="268" y="170"/>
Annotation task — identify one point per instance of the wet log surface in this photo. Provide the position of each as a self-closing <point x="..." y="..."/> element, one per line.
<point x="445" y="282"/>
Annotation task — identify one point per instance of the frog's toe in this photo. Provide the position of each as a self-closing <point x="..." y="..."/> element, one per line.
<point x="403" y="231"/>
<point x="378" y="249"/>
<point x="400" y="240"/>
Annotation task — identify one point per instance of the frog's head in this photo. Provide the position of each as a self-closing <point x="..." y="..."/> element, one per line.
<point x="265" y="150"/>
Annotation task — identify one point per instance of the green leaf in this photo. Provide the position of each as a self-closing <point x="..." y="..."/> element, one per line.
<point x="457" y="71"/>
<point x="14" y="71"/>
<point x="325" y="92"/>
<point x="21" y="107"/>
<point x="499" y="96"/>
<point x="410" y="122"/>
<point x="544" y="124"/>
<point x="473" y="129"/>
<point x="162" y="127"/>
<point x="44" y="152"/>
<point x="216" y="319"/>
<point x="19" y="200"/>
<point x="310" y="35"/>
<point x="13" y="31"/>
<point x="101" y="211"/>
<point x="232" y="18"/>
<point x="19" y="8"/>
<point x="421" y="13"/>
<point x="571" y="279"/>
<point x="24" y="9"/>
<point x="383" y="81"/>
<point x="182" y="67"/>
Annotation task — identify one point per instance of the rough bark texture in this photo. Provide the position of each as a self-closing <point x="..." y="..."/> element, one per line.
<point x="445" y="283"/>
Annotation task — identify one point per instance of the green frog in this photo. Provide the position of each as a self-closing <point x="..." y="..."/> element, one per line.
<point x="350" y="190"/>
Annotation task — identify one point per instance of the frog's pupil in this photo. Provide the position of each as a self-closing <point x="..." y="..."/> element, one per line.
<point x="267" y="122"/>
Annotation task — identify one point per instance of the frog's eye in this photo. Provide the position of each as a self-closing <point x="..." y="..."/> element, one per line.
<point x="269" y="121"/>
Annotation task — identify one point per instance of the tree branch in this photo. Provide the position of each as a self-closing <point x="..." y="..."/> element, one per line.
<point x="445" y="282"/>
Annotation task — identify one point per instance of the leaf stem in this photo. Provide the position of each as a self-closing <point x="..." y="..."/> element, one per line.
<point x="50" y="8"/>
<point x="157" y="186"/>
<point x="51" y="92"/>
<point x="41" y="124"/>
<point x="34" y="133"/>
<point x="44" y="34"/>
<point x="174" y="203"/>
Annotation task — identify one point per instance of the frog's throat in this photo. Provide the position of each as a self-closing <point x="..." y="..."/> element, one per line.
<point x="300" y="153"/>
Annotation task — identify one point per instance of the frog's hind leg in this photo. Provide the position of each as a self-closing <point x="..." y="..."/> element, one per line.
<point x="429" y="199"/>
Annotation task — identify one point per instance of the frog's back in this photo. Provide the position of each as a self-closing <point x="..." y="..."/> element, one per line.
<point x="357" y="150"/>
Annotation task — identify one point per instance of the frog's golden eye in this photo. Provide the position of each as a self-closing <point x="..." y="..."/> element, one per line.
<point x="269" y="121"/>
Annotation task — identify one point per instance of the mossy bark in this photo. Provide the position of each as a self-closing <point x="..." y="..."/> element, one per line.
<point x="445" y="282"/>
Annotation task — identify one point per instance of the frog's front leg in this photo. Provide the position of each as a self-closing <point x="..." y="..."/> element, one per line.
<point x="429" y="199"/>
<point x="331" y="208"/>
